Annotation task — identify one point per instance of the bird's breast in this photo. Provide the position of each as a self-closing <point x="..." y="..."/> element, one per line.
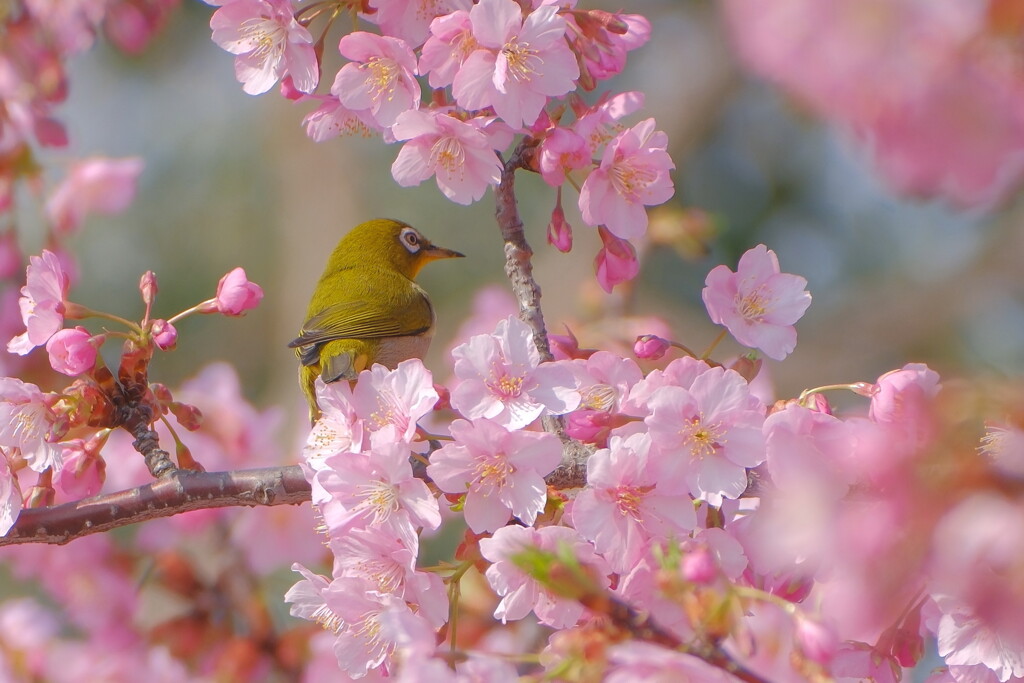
<point x="393" y="350"/>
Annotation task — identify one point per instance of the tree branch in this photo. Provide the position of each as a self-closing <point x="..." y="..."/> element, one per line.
<point x="180" y="491"/>
<point x="518" y="266"/>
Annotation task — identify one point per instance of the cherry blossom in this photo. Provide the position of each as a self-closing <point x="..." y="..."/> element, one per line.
<point x="758" y="304"/>
<point x="235" y="295"/>
<point x="411" y="20"/>
<point x="269" y="43"/>
<point x="631" y="499"/>
<point x="634" y="173"/>
<point x="519" y="592"/>
<point x="451" y="41"/>
<point x="461" y="155"/>
<point x="10" y="495"/>
<point x="397" y="398"/>
<point x="381" y="78"/>
<point x="27" y="423"/>
<point x="72" y="351"/>
<point x="42" y="302"/>
<point x="717" y="424"/>
<point x="503" y="379"/>
<point x="501" y="472"/>
<point x="521" y="64"/>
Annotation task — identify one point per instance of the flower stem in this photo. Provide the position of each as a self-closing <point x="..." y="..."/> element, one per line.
<point x="712" y="345"/>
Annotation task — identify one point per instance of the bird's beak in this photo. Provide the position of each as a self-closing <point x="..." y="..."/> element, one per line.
<point x="435" y="253"/>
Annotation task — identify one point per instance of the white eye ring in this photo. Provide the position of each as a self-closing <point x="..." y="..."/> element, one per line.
<point x="411" y="240"/>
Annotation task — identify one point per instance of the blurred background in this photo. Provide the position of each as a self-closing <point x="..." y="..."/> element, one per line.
<point x="233" y="180"/>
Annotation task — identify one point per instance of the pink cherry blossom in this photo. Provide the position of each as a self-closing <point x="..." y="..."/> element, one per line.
<point x="269" y="43"/>
<point x="462" y="155"/>
<point x="72" y="350"/>
<point x="602" y="40"/>
<point x="519" y="592"/>
<point x="500" y="471"/>
<point x="1003" y="447"/>
<point x="636" y="660"/>
<point x="339" y="429"/>
<point x="599" y="124"/>
<point x="380" y="79"/>
<point x="42" y="302"/>
<point x="809" y="451"/>
<point x="83" y="472"/>
<point x="410" y="20"/>
<point x="522" y="63"/>
<point x="332" y="119"/>
<point x="451" y="41"/>
<point x="630" y="502"/>
<point x="758" y="304"/>
<point x="389" y="564"/>
<point x="397" y="398"/>
<point x="10" y="495"/>
<point x="717" y="424"/>
<point x="26" y="424"/>
<point x="617" y="261"/>
<point x="901" y="401"/>
<point x="235" y="295"/>
<point x="503" y="379"/>
<point x="974" y="647"/>
<point x="634" y="173"/>
<point x="375" y="489"/>
<point x="96" y="185"/>
<point x="561" y="151"/>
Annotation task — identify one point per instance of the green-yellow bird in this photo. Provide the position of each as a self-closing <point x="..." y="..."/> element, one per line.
<point x="366" y="308"/>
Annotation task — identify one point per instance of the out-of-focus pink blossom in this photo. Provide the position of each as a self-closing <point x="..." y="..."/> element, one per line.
<point x="500" y="471"/>
<point x="132" y="24"/>
<point x="42" y="302"/>
<point x="519" y="592"/>
<point x="634" y="174"/>
<point x="235" y="295"/>
<point x="522" y="63"/>
<point x="502" y="378"/>
<point x="855" y="661"/>
<point x="616" y="262"/>
<point x="380" y="79"/>
<point x="816" y="640"/>
<point x="73" y="350"/>
<point x="461" y="155"/>
<point x="636" y="660"/>
<point x="10" y="254"/>
<point x="1003" y="446"/>
<point x="269" y="43"/>
<point x="758" y="304"/>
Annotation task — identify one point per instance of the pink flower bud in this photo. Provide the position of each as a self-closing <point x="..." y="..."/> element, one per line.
<point x="235" y="294"/>
<point x="72" y="351"/>
<point x="83" y="472"/>
<point x="650" y="347"/>
<point x="816" y="640"/>
<point x="164" y="335"/>
<point x="148" y="287"/>
<point x="567" y="347"/>
<point x="591" y="426"/>
<point x="616" y="262"/>
<point x="699" y="566"/>
<point x="559" y="231"/>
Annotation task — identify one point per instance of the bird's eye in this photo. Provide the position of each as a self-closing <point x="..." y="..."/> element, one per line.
<point x="411" y="240"/>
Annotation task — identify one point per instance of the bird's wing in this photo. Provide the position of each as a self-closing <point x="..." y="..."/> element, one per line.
<point x="408" y="313"/>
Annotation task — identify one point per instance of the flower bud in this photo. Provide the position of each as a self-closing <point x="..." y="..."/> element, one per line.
<point x="188" y="416"/>
<point x="567" y="347"/>
<point x="747" y="367"/>
<point x="164" y="335"/>
<point x="148" y="287"/>
<point x="650" y="347"/>
<point x="699" y="566"/>
<point x="83" y="472"/>
<point x="559" y="231"/>
<point x="73" y="351"/>
<point x="235" y="294"/>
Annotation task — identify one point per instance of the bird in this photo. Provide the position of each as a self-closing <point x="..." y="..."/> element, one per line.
<point x="366" y="308"/>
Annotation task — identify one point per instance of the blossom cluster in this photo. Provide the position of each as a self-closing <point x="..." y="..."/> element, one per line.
<point x="763" y="526"/>
<point x="59" y="435"/>
<point x="495" y="71"/>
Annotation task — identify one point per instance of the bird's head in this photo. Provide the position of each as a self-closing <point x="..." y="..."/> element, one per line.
<point x="392" y="242"/>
